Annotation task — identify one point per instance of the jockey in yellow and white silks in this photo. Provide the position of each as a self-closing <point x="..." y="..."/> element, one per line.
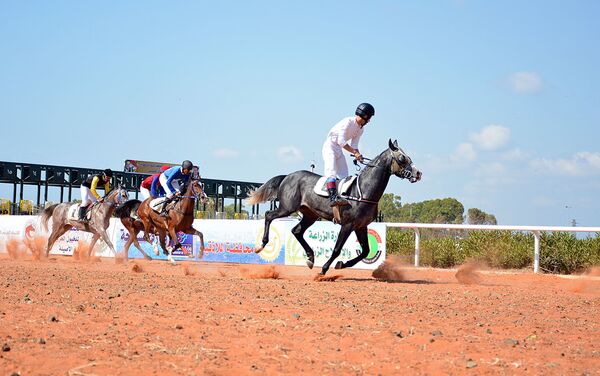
<point x="88" y="190"/>
<point x="345" y="135"/>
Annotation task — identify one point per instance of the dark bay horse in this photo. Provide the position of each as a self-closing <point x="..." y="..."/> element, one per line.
<point x="180" y="217"/>
<point x="295" y="194"/>
<point x="99" y="219"/>
<point x="127" y="213"/>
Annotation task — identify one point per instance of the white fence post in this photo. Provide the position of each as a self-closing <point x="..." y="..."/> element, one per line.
<point x="536" y="251"/>
<point x="417" y="246"/>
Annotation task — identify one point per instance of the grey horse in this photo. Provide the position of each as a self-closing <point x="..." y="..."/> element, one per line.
<point x="99" y="219"/>
<point x="295" y="194"/>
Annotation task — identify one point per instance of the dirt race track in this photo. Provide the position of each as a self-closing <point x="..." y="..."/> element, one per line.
<point x="61" y="316"/>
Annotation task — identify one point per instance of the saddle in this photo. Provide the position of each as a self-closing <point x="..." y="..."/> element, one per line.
<point x="157" y="203"/>
<point x="343" y="186"/>
<point x="73" y="213"/>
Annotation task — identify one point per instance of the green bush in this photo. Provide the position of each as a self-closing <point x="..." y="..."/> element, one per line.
<point x="560" y="252"/>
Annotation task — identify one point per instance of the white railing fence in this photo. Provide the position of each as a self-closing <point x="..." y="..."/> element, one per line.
<point x="535" y="230"/>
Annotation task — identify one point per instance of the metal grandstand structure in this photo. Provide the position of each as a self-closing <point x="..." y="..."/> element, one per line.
<point x="68" y="179"/>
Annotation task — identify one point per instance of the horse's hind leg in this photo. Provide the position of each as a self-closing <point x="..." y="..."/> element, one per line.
<point x="298" y="231"/>
<point x="133" y="233"/>
<point x="269" y="217"/>
<point x="57" y="232"/>
<point x="337" y="249"/>
<point x="362" y="235"/>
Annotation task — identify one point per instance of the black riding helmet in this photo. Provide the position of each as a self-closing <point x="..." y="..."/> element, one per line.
<point x="187" y="165"/>
<point x="365" y="110"/>
<point x="108" y="173"/>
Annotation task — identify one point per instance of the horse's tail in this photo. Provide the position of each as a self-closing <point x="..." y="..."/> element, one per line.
<point x="125" y="210"/>
<point x="46" y="214"/>
<point x="267" y="191"/>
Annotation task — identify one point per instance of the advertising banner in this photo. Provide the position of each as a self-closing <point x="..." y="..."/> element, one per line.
<point x="144" y="167"/>
<point x="235" y="241"/>
<point x="232" y="241"/>
<point x="322" y="236"/>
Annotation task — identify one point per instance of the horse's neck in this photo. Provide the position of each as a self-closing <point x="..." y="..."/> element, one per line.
<point x="374" y="180"/>
<point x="186" y="204"/>
<point x="113" y="197"/>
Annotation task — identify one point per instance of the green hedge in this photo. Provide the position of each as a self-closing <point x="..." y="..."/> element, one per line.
<point x="560" y="252"/>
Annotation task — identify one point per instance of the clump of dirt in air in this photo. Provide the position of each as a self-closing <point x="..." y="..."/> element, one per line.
<point x="187" y="271"/>
<point x="589" y="281"/>
<point x="594" y="272"/>
<point x="82" y="252"/>
<point x="468" y="273"/>
<point x="222" y="273"/>
<point x="37" y="246"/>
<point x="260" y="272"/>
<point x="327" y="278"/>
<point x="390" y="270"/>
<point x="137" y="268"/>
<point x="15" y="249"/>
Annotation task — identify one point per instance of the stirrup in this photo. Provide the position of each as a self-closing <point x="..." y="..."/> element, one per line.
<point x="338" y="202"/>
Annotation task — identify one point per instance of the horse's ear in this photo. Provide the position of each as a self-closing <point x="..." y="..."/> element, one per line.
<point x="393" y="145"/>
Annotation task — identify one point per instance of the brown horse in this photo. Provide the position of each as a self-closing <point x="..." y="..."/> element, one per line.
<point x="100" y="214"/>
<point x="180" y="217"/>
<point x="130" y="220"/>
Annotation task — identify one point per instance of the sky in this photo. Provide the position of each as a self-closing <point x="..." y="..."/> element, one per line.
<point x="496" y="102"/>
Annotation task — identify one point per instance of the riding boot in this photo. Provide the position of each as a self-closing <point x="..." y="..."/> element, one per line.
<point x="82" y="211"/>
<point x="334" y="199"/>
<point x="163" y="211"/>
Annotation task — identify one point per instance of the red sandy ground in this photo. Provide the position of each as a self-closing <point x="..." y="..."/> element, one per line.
<point x="63" y="316"/>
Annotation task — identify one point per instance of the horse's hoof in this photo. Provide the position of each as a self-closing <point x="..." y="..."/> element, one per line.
<point x="259" y="249"/>
<point x="310" y="264"/>
<point x="172" y="260"/>
<point x="339" y="265"/>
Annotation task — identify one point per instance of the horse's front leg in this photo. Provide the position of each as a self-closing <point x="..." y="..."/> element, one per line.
<point x="342" y="237"/>
<point x="193" y="231"/>
<point x="362" y="235"/>
<point x="162" y="241"/>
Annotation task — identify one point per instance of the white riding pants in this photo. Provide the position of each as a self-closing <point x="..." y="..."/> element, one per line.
<point x="163" y="183"/>
<point x="334" y="162"/>
<point x="87" y="197"/>
<point x="144" y="192"/>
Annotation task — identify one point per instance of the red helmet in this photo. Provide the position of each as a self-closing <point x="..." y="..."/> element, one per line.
<point x="164" y="168"/>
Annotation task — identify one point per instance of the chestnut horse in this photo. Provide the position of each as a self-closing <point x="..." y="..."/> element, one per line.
<point x="180" y="217"/>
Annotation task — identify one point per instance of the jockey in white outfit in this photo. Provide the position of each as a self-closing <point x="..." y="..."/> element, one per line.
<point x="343" y="136"/>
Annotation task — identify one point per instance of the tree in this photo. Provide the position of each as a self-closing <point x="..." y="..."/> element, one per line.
<point x="447" y="210"/>
<point x="389" y="206"/>
<point x="479" y="217"/>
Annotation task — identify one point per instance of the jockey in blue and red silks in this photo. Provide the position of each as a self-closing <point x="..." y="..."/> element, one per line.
<point x="175" y="175"/>
<point x="344" y="135"/>
<point x="150" y="186"/>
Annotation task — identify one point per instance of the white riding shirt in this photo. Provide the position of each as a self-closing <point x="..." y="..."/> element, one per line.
<point x="346" y="131"/>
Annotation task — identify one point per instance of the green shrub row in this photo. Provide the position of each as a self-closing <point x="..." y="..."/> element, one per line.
<point x="560" y="252"/>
